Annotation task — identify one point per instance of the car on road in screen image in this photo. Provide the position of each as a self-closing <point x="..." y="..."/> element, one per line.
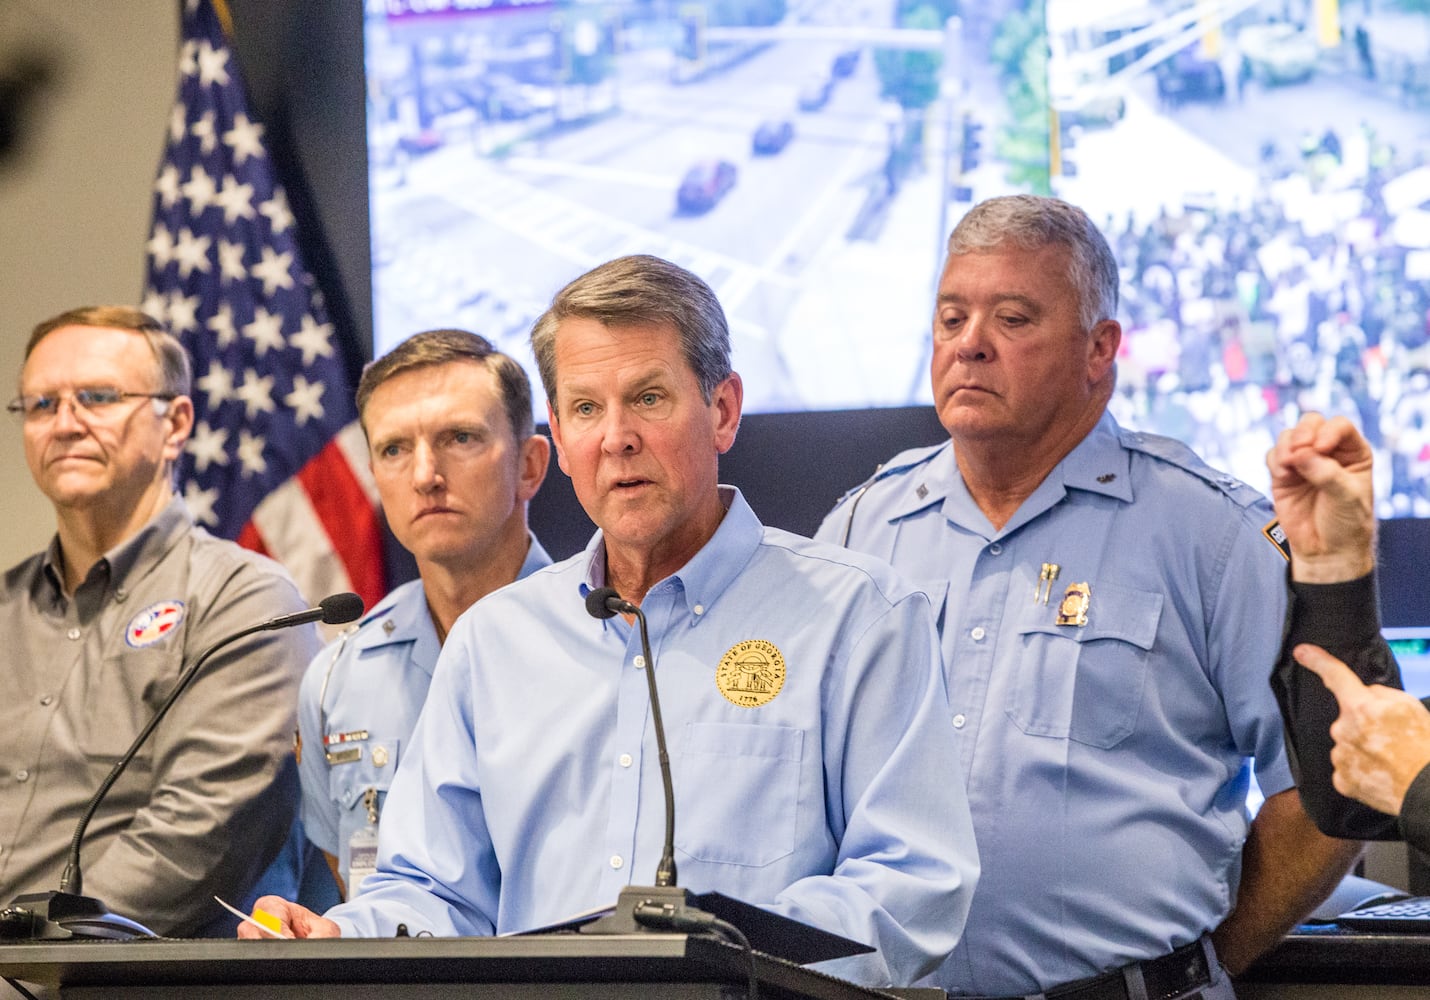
<point x="1277" y="53"/>
<point x="771" y="137"/>
<point x="1189" y="76"/>
<point x="704" y="185"/>
<point x="845" y="63"/>
<point x="815" y="94"/>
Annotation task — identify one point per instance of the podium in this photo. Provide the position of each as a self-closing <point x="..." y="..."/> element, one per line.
<point x="511" y="968"/>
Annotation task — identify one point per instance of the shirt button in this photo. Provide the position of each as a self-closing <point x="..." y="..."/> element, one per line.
<point x="639" y="661"/>
<point x="617" y="861"/>
<point x="22" y="775"/>
<point x="699" y="609"/>
<point x="978" y="633"/>
<point x="46" y="699"/>
<point x="995" y="549"/>
<point x="121" y="595"/>
<point x="73" y="633"/>
<point x="626" y="760"/>
<point x="959" y="720"/>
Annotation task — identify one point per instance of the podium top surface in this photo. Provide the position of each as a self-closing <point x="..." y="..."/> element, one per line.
<point x="556" y="958"/>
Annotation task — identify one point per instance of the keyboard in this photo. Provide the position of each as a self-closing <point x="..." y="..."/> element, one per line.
<point x="1404" y="916"/>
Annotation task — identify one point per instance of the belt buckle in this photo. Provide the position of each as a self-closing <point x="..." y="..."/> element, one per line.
<point x="1184" y="970"/>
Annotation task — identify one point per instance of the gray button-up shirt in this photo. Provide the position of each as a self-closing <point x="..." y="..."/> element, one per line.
<point x="207" y="803"/>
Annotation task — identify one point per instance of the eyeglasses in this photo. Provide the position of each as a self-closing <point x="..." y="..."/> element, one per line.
<point x="93" y="399"/>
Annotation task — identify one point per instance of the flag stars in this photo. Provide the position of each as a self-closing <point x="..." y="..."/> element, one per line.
<point x="201" y="503"/>
<point x="208" y="445"/>
<point x="182" y="312"/>
<point x="167" y="186"/>
<point x="236" y="200"/>
<point x="276" y="209"/>
<point x="305" y="400"/>
<point x="212" y="65"/>
<point x="192" y="253"/>
<point x="266" y="332"/>
<point x="272" y="270"/>
<point x="160" y="246"/>
<point x="204" y="131"/>
<point x="199" y="190"/>
<point x="217" y="386"/>
<point x="245" y="138"/>
<point x="250" y="453"/>
<point x="178" y="123"/>
<point x="313" y="339"/>
<point x="220" y="324"/>
<point x="256" y="393"/>
<point x="156" y="304"/>
<point x="230" y="260"/>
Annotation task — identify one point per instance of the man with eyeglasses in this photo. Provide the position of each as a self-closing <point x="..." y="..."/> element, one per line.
<point x="100" y="626"/>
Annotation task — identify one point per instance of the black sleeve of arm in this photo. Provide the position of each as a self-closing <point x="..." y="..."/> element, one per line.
<point x="1343" y="619"/>
<point x="1415" y="812"/>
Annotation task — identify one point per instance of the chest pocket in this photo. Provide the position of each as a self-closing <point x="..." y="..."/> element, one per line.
<point x="731" y="770"/>
<point x="119" y="699"/>
<point x="350" y="781"/>
<point x="1085" y="684"/>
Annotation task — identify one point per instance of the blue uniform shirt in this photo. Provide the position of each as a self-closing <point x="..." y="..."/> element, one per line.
<point x="1106" y="764"/>
<point x="532" y="789"/>
<point x="376" y="678"/>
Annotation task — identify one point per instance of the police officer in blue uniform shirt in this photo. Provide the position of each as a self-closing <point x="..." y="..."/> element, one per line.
<point x="456" y="459"/>
<point x="801" y="685"/>
<point x="1108" y="605"/>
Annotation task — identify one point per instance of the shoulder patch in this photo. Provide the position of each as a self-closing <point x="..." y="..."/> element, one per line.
<point x="1276" y="535"/>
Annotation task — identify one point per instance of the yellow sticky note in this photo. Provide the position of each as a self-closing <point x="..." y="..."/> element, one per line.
<point x="268" y="920"/>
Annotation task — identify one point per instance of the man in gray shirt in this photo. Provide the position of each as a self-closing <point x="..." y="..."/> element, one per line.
<point x="100" y="626"/>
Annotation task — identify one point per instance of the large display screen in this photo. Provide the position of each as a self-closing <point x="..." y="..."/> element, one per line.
<point x="1261" y="168"/>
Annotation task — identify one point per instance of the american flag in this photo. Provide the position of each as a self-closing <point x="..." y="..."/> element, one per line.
<point x="277" y="459"/>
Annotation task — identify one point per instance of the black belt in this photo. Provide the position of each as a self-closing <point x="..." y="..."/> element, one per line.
<point x="1182" y="971"/>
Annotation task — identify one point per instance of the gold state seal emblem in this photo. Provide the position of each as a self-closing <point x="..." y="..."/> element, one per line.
<point x="751" y="673"/>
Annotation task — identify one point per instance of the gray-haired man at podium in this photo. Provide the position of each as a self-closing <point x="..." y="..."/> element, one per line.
<point x="802" y="685"/>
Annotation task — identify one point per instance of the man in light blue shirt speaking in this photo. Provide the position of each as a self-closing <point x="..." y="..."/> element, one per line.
<point x="1108" y="606"/>
<point x="801" y="685"/>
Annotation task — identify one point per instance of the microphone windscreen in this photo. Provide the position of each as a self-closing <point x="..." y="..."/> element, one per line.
<point x="339" y="609"/>
<point x="598" y="602"/>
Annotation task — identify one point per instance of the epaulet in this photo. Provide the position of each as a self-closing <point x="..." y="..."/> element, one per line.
<point x="1175" y="453"/>
<point x="899" y="464"/>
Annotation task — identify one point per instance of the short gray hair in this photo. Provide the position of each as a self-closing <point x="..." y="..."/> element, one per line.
<point x="1032" y="222"/>
<point x="641" y="290"/>
<point x="171" y="361"/>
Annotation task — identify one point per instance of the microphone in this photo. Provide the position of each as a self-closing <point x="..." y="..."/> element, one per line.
<point x="604" y="602"/>
<point x="336" y="609"/>
<point x="69" y="913"/>
<point x="662" y="906"/>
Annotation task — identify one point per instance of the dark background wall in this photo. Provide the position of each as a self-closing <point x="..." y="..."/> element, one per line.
<point x="305" y="73"/>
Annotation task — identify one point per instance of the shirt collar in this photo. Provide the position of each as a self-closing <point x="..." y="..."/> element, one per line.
<point x="536" y="558"/>
<point x="928" y="485"/>
<point x="711" y="570"/>
<point x="412" y="619"/>
<point x="131" y="557"/>
<point x="1099" y="463"/>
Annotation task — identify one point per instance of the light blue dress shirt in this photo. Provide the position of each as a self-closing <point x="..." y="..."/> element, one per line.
<point x="1107" y="764"/>
<point x="533" y="792"/>
<point x="376" y="679"/>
